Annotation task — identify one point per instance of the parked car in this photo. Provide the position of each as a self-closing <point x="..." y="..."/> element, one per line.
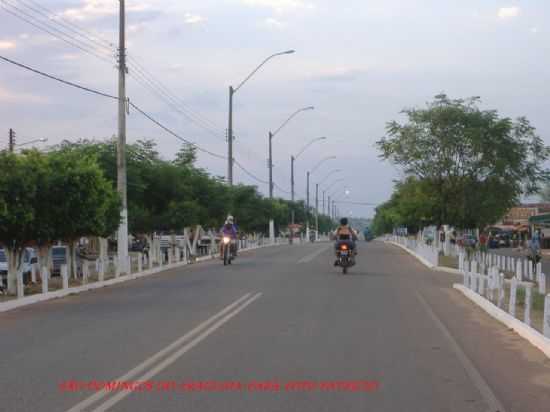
<point x="59" y="257"/>
<point x="28" y="259"/>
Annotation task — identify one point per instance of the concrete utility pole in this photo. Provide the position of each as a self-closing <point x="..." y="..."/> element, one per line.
<point x="122" y="238"/>
<point x="292" y="178"/>
<point x="232" y="91"/>
<point x="230" y="138"/>
<point x="270" y="165"/>
<point x="11" y="140"/>
<point x="317" y="211"/>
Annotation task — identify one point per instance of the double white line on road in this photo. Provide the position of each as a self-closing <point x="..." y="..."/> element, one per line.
<point x="154" y="365"/>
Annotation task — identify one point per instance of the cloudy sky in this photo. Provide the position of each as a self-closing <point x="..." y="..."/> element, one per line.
<point x="359" y="62"/>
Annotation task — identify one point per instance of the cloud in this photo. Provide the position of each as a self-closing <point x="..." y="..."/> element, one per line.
<point x="273" y="23"/>
<point x="338" y="74"/>
<point x="7" y="96"/>
<point x="189" y="18"/>
<point x="508" y="12"/>
<point x="534" y="30"/>
<point x="280" y="6"/>
<point x="92" y="9"/>
<point x="6" y="45"/>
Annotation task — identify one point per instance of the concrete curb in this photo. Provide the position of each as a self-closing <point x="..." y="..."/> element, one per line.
<point x="420" y="258"/>
<point x="448" y="270"/>
<point x="41" y="297"/>
<point x="425" y="262"/>
<point x="533" y="336"/>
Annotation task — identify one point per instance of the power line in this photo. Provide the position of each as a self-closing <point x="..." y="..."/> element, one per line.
<point x="115" y="98"/>
<point x="41" y="25"/>
<point x="59" y="19"/>
<point x="68" y="83"/>
<point x="146" y="83"/>
<point x="169" y="93"/>
<point x="250" y="174"/>
<point x="165" y="128"/>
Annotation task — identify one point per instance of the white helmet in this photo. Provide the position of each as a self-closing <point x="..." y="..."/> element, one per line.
<point x="229" y="219"/>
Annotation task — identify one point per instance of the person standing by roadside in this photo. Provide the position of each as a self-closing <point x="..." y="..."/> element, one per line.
<point x="483" y="242"/>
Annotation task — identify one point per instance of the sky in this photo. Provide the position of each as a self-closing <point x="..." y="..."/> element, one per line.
<point x="358" y="62"/>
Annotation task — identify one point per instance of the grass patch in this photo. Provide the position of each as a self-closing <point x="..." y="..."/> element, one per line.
<point x="448" y="261"/>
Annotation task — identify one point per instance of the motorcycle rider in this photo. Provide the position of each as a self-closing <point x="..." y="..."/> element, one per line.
<point x="230" y="230"/>
<point x="344" y="234"/>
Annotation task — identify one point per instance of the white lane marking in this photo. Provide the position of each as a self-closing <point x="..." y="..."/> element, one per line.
<point x="471" y="371"/>
<point x="172" y="358"/>
<point x="313" y="255"/>
<point x="148" y="362"/>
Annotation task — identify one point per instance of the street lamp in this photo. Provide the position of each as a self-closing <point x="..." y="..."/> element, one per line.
<point x="41" y="140"/>
<point x="232" y="91"/>
<point x="307" y="197"/>
<point x="293" y="159"/>
<point x="271" y="136"/>
<point x="322" y="181"/>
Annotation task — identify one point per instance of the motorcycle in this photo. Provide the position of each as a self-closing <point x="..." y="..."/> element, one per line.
<point x="228" y="251"/>
<point x="345" y="257"/>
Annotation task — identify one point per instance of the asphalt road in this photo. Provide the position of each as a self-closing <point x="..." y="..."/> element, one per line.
<point x="283" y="331"/>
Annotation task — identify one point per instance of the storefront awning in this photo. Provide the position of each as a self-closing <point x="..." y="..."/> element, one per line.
<point x="543" y="220"/>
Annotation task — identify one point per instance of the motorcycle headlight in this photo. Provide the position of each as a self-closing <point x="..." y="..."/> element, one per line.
<point x="344" y="247"/>
<point x="226" y="240"/>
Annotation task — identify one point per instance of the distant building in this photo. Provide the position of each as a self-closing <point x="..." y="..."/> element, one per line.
<point x="519" y="215"/>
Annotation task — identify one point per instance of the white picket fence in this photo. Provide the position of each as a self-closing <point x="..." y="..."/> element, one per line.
<point x="520" y="266"/>
<point x="417" y="246"/>
<point x="108" y="270"/>
<point x="486" y="278"/>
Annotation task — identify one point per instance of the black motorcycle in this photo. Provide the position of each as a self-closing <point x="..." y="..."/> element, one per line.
<point x="345" y="256"/>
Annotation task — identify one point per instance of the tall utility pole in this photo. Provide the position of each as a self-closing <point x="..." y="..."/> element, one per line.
<point x="328" y="208"/>
<point x="230" y="138"/>
<point x="270" y="165"/>
<point x="316" y="211"/>
<point x="12" y="140"/>
<point x="292" y="158"/>
<point x="324" y="202"/>
<point x="122" y="238"/>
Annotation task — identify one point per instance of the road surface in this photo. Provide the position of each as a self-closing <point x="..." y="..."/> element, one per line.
<point x="280" y="330"/>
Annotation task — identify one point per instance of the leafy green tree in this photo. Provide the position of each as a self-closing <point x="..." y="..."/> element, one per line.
<point x="474" y="164"/>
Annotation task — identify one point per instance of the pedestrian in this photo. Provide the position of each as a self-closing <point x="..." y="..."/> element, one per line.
<point x="483" y="242"/>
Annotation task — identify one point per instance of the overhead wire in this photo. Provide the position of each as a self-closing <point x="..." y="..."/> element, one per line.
<point x="65" y="23"/>
<point x="55" y="32"/>
<point x="104" y="50"/>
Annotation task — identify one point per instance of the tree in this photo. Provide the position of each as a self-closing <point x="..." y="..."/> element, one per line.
<point x="49" y="197"/>
<point x="473" y="164"/>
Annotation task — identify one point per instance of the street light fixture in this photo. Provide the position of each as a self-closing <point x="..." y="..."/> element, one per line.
<point x="293" y="159"/>
<point x="307" y="197"/>
<point x="271" y="136"/>
<point x="232" y="91"/>
<point x="41" y="140"/>
<point x="322" y="181"/>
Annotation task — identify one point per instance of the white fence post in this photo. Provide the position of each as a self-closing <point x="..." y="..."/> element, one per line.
<point x="501" y="291"/>
<point x="85" y="271"/>
<point x="542" y="283"/>
<point x="528" y="305"/>
<point x="513" y="294"/>
<point x="519" y="275"/>
<point x="140" y="262"/>
<point x="101" y="270"/>
<point x="64" y="276"/>
<point x="20" y="286"/>
<point x="44" y="274"/>
<point x="116" y="262"/>
<point x="546" y="326"/>
<point x="34" y="268"/>
<point x="481" y="285"/>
